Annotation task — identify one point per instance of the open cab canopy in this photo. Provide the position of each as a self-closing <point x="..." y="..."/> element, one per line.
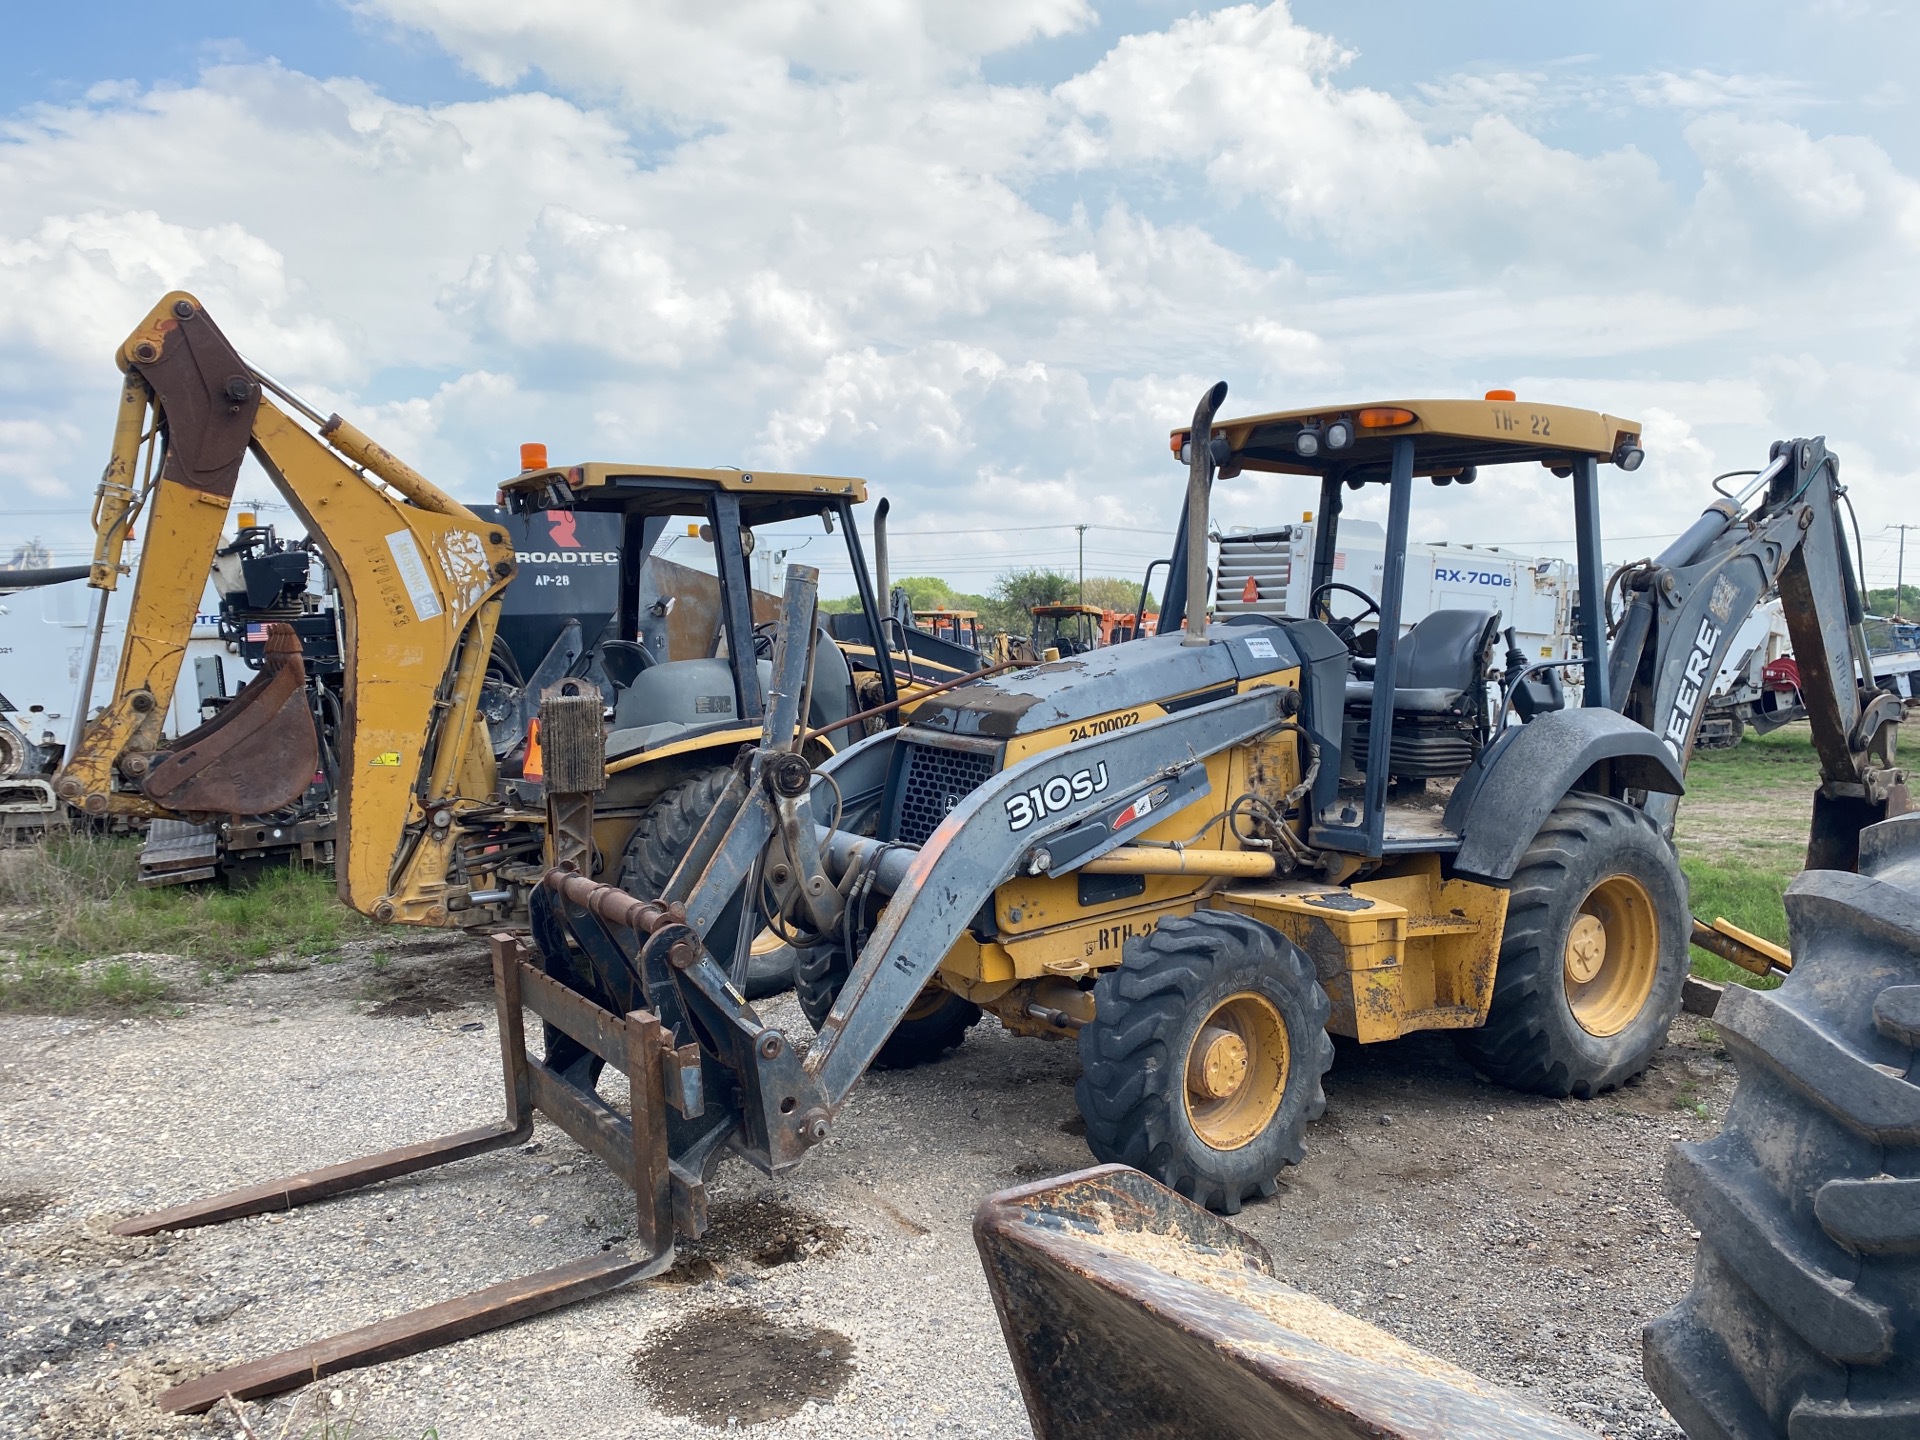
<point x="767" y="496"/>
<point x="1355" y="443"/>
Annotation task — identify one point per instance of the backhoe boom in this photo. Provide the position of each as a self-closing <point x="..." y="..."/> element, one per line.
<point x="419" y="577"/>
<point x="1682" y="611"/>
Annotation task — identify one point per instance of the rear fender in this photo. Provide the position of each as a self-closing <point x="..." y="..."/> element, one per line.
<point x="1505" y="796"/>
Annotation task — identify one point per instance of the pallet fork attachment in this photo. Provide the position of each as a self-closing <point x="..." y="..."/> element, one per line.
<point x="632" y="1043"/>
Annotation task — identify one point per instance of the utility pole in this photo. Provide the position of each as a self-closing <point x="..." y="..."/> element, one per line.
<point x="1900" y="568"/>
<point x="1083" y="562"/>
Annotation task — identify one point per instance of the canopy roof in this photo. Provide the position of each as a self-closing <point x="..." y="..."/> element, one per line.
<point x="1449" y="435"/>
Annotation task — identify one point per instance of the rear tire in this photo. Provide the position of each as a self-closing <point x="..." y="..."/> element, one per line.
<point x="1204" y="1060"/>
<point x="659" y="842"/>
<point x="935" y="1023"/>
<point x="1803" y="1322"/>
<point x="1593" y="957"/>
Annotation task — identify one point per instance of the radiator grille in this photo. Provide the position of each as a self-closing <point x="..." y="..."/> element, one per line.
<point x="936" y="780"/>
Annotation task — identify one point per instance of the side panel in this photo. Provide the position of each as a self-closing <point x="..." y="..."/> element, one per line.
<point x="1077" y="921"/>
<point x="1395" y="954"/>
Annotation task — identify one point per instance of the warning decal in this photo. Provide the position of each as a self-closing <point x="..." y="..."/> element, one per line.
<point x="413" y="574"/>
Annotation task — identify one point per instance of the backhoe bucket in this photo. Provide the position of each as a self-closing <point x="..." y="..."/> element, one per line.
<point x="258" y="754"/>
<point x="1130" y="1312"/>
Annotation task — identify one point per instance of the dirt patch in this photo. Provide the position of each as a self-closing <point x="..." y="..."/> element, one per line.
<point x="759" y="1231"/>
<point x="455" y="977"/>
<point x="123" y="1405"/>
<point x="733" y="1364"/>
<point x="1679" y="1079"/>
<point x="17" y="1207"/>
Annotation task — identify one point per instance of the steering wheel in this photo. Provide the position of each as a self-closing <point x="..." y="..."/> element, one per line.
<point x="1342" y="625"/>
<point x="764" y="635"/>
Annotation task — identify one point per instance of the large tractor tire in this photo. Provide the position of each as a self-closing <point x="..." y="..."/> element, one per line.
<point x="1803" y="1322"/>
<point x="935" y="1023"/>
<point x="1593" y="957"/>
<point x="658" y="842"/>
<point x="1203" y="1063"/>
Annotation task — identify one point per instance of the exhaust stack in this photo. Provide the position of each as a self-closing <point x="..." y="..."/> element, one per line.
<point x="1199" y="488"/>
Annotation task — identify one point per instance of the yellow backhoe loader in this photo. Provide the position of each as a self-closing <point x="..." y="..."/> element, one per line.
<point x="437" y="823"/>
<point x="1199" y="853"/>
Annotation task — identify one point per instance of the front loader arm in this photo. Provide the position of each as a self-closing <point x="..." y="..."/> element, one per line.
<point x="419" y="579"/>
<point x="1047" y="814"/>
<point x="1782" y="533"/>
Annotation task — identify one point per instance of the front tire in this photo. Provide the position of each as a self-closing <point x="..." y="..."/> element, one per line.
<point x="661" y="839"/>
<point x="936" y="1022"/>
<point x="1593" y="957"/>
<point x="1204" y="1060"/>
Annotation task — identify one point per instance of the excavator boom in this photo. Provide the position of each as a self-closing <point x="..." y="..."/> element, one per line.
<point x="419" y="577"/>
<point x="1682" y="610"/>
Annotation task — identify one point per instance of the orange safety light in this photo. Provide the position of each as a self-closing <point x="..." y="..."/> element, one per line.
<point x="534" y="768"/>
<point x="533" y="456"/>
<point x="1384" y="417"/>
<point x="248" y="520"/>
<point x="1501" y="395"/>
<point x="1177" y="439"/>
<point x="1250" y="591"/>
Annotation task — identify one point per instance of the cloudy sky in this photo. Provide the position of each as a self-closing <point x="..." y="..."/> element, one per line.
<point x="982" y="252"/>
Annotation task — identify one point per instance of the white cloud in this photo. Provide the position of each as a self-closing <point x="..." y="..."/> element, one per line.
<point x="1702" y="90"/>
<point x="706" y="62"/>
<point x="819" y="236"/>
<point x="1252" y="99"/>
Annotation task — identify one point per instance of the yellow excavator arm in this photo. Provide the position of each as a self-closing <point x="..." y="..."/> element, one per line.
<point x="419" y="579"/>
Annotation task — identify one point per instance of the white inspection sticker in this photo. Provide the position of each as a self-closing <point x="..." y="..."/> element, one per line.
<point x="1261" y="646"/>
<point x="413" y="574"/>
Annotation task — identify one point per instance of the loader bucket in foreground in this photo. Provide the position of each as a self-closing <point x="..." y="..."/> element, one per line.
<point x="258" y="754"/>
<point x="1130" y="1312"/>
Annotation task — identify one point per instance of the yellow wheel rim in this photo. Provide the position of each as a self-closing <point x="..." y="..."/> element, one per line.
<point x="1236" y="1071"/>
<point x="928" y="1001"/>
<point x="1612" y="954"/>
<point x="766" y="942"/>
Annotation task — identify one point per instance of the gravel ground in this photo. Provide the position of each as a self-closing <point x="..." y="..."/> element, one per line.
<point x="1523" y="1238"/>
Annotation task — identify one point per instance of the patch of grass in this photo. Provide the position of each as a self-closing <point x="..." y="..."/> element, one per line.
<point x="73" y="906"/>
<point x="1741" y="834"/>
<point x="1690" y="1102"/>
<point x="1749" y="895"/>
<point x="1783" y="761"/>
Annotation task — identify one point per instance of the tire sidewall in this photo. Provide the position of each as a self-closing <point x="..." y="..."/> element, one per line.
<point x="1274" y="1147"/>
<point x="1642" y="855"/>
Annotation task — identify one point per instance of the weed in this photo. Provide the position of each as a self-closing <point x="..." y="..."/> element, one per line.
<point x="1690" y="1102"/>
<point x="80" y="925"/>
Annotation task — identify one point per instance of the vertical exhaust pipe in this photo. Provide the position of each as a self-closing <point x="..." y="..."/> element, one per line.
<point x="1199" y="488"/>
<point x="882" y="571"/>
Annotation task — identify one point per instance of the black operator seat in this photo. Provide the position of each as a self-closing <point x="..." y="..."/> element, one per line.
<point x="833" y="695"/>
<point x="1436" y="663"/>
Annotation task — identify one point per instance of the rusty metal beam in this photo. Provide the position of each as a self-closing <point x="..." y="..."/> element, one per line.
<point x="304" y="1189"/>
<point x="410" y="1333"/>
<point x="601" y="1031"/>
<point x="636" y="1153"/>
